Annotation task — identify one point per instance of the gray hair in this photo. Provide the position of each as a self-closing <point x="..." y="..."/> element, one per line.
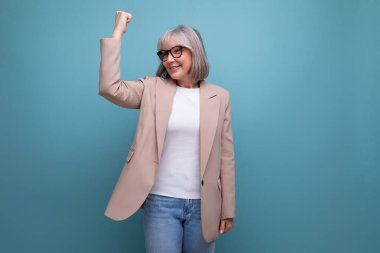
<point x="188" y="37"/>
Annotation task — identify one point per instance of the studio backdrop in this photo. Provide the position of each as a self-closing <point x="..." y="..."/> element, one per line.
<point x="304" y="80"/>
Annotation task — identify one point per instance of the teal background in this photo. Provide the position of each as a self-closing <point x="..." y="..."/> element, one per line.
<point x="304" y="80"/>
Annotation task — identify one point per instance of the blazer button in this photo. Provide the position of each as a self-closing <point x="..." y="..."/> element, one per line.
<point x="202" y="182"/>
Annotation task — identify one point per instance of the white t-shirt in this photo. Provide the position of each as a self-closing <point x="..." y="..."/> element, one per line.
<point x="178" y="173"/>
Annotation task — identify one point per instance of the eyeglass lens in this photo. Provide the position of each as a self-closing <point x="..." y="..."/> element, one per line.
<point x="176" y="52"/>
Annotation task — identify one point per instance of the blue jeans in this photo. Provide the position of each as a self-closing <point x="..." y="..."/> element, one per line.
<point x="173" y="225"/>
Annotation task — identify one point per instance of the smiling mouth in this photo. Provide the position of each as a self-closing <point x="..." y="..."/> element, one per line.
<point x="174" y="68"/>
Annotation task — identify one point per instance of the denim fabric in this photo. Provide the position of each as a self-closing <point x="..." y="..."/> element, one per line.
<point x="173" y="225"/>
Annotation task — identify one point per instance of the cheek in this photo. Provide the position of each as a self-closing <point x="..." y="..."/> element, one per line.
<point x="188" y="60"/>
<point x="165" y="66"/>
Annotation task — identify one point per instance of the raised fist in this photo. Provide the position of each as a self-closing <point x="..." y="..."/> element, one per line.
<point x="121" y="21"/>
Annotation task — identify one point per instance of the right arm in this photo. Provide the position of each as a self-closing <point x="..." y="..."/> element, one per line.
<point x="126" y="94"/>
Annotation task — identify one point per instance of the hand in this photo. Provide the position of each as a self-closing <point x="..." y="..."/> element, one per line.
<point x="121" y="22"/>
<point x="226" y="225"/>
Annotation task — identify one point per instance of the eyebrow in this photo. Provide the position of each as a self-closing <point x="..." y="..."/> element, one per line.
<point x="169" y="48"/>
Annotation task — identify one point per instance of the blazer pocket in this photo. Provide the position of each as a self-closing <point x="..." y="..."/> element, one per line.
<point x="219" y="185"/>
<point x="130" y="154"/>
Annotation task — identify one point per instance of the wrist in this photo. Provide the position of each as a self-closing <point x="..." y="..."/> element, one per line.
<point x="117" y="34"/>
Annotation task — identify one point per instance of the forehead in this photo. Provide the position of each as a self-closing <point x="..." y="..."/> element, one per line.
<point x="169" y="43"/>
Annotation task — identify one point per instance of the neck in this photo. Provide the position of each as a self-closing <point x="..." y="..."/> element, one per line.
<point x="187" y="84"/>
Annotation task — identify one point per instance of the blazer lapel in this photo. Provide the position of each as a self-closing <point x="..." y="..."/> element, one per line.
<point x="164" y="100"/>
<point x="209" y="112"/>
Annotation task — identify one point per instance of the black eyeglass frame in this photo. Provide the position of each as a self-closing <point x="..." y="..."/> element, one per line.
<point x="165" y="53"/>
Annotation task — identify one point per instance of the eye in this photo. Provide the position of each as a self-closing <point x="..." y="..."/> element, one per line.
<point x="177" y="50"/>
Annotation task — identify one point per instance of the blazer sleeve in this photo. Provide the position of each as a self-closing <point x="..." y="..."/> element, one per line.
<point x="126" y="94"/>
<point x="227" y="166"/>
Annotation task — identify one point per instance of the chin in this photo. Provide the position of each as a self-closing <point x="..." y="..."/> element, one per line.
<point x="175" y="77"/>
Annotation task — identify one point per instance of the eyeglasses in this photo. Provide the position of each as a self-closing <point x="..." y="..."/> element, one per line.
<point x="176" y="52"/>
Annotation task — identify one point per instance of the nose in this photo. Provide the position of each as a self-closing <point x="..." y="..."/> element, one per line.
<point x="170" y="58"/>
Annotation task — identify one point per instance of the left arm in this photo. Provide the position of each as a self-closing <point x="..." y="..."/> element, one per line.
<point x="227" y="172"/>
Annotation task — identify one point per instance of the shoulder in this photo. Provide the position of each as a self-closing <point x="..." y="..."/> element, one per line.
<point x="152" y="80"/>
<point x="148" y="79"/>
<point x="223" y="92"/>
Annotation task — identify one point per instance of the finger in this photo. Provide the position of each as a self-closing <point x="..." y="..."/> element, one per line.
<point x="129" y="18"/>
<point x="225" y="227"/>
<point x="222" y="226"/>
<point x="228" y="226"/>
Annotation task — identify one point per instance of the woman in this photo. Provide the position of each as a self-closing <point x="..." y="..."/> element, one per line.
<point x="180" y="167"/>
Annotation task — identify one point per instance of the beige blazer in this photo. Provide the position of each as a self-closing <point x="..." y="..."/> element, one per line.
<point x="154" y="97"/>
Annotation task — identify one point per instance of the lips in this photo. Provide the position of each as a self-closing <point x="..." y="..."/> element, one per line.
<point x="173" y="68"/>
